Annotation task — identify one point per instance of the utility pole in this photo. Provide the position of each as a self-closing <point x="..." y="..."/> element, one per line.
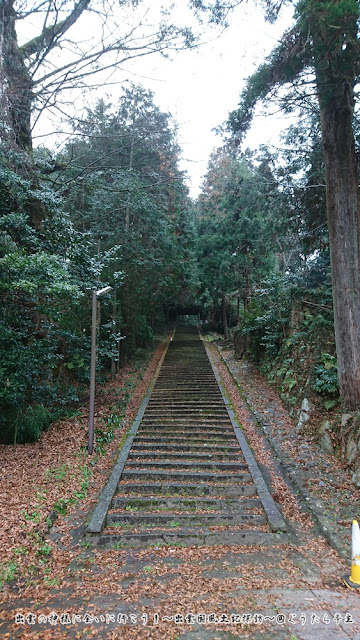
<point x="95" y="296"/>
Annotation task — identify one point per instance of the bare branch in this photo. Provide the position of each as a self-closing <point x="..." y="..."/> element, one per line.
<point x="50" y="36"/>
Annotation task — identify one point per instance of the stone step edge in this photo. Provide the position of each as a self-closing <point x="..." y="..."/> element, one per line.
<point x="214" y="519"/>
<point x="161" y="488"/>
<point x="189" y="537"/>
<point x="175" y="458"/>
<point x="227" y="434"/>
<point x="164" y="448"/>
<point x="184" y="464"/>
<point x="201" y="476"/>
<point x="221" y="504"/>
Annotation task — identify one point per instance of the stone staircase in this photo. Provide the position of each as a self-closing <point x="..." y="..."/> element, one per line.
<point x="185" y="479"/>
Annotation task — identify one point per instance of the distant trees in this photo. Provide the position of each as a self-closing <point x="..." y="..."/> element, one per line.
<point x="264" y="265"/>
<point x="235" y="225"/>
<point x="122" y="186"/>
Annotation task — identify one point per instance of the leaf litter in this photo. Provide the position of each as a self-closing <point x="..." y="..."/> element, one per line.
<point x="176" y="580"/>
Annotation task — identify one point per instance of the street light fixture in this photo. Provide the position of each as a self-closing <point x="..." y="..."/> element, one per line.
<point x="95" y="295"/>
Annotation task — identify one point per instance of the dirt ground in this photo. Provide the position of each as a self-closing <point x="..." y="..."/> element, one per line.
<point x="60" y="586"/>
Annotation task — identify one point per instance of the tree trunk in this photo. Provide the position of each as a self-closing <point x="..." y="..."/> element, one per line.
<point x="114" y="363"/>
<point x="333" y="27"/>
<point x="15" y="84"/>
<point x="15" y="108"/>
<point x="224" y="316"/>
<point x="246" y="287"/>
<point x="344" y="238"/>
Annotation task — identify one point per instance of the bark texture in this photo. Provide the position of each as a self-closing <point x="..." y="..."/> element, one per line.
<point x="224" y="316"/>
<point x="333" y="26"/>
<point x="15" y="84"/>
<point x="344" y="237"/>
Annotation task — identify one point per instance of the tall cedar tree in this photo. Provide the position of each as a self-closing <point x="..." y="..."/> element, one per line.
<point x="325" y="42"/>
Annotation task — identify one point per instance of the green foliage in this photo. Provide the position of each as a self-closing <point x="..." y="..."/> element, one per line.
<point x="300" y="362"/>
<point x="334" y="34"/>
<point x="127" y="192"/>
<point x="62" y="504"/>
<point x="41" y="296"/>
<point x="325" y="376"/>
<point x="30" y="424"/>
<point x="7" y="572"/>
<point x="105" y="434"/>
<point x="266" y="320"/>
<point x="322" y="50"/>
<point x="116" y="213"/>
<point x="286" y="62"/>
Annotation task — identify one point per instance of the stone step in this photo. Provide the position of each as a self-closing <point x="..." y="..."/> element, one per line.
<point x="174" y="381"/>
<point x="193" y="417"/>
<point x="208" y="388"/>
<point x="180" y="418"/>
<point x="192" y="427"/>
<point x="191" y="401"/>
<point x="191" y="537"/>
<point x="182" y="398"/>
<point x="185" y="373"/>
<point x="190" y="367"/>
<point x="201" y="476"/>
<point x="185" y="504"/>
<point x="211" y="395"/>
<point x="187" y="383"/>
<point x="201" y="436"/>
<point x="187" y="426"/>
<point x="205" y="448"/>
<point x="192" y="394"/>
<point x="216" y="456"/>
<point x="182" y="435"/>
<point x="184" y="465"/>
<point x="175" y="417"/>
<point x="173" y="519"/>
<point x="186" y="489"/>
<point x="188" y="406"/>
<point x="189" y="423"/>
<point x="196" y="386"/>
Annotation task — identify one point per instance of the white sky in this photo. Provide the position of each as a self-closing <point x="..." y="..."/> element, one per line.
<point x="200" y="87"/>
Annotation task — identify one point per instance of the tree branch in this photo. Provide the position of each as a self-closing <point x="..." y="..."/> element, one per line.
<point x="286" y="62"/>
<point x="49" y="37"/>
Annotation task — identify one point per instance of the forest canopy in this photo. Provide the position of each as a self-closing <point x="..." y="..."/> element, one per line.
<point x="117" y="212"/>
<point x="274" y="234"/>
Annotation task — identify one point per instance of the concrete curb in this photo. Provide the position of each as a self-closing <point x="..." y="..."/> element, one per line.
<point x="314" y="507"/>
<point x="98" y="517"/>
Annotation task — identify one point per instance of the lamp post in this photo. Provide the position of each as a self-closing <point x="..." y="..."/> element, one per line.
<point x="95" y="296"/>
